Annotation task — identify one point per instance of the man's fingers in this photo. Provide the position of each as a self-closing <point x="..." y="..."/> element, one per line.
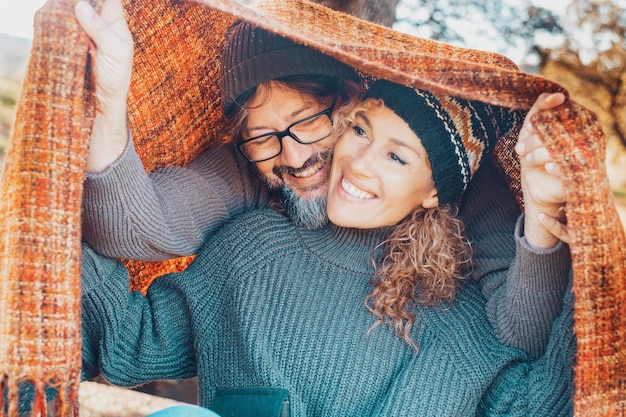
<point x="541" y="156"/>
<point x="90" y="21"/>
<point x="113" y="15"/>
<point x="558" y="229"/>
<point x="547" y="101"/>
<point x="552" y="168"/>
<point x="104" y="29"/>
<point x="528" y="141"/>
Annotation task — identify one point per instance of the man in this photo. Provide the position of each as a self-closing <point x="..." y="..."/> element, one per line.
<point x="170" y="212"/>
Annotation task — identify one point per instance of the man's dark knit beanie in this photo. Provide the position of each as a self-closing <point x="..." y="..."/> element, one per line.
<point x="457" y="134"/>
<point x="253" y="56"/>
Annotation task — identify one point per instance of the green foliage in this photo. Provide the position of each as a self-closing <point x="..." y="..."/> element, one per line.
<point x="499" y="26"/>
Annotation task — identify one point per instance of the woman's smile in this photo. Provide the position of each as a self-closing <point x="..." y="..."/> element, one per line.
<point x="354" y="191"/>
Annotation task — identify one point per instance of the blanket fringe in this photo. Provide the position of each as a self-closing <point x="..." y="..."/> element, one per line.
<point x="33" y="395"/>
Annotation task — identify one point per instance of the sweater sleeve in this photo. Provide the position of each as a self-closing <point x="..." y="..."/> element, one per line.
<point x="128" y="338"/>
<point x="523" y="286"/>
<point x="533" y="296"/>
<point x="544" y="386"/>
<point x="129" y="213"/>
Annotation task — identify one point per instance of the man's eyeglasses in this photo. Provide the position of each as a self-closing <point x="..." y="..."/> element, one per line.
<point x="309" y="130"/>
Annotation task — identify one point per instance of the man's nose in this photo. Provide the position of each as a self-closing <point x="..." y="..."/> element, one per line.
<point x="295" y="154"/>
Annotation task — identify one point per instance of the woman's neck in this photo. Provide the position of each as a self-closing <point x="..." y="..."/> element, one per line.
<point x="348" y="247"/>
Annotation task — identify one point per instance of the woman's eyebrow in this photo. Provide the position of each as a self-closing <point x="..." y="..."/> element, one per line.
<point x="365" y="119"/>
<point x="395" y="141"/>
<point x="404" y="144"/>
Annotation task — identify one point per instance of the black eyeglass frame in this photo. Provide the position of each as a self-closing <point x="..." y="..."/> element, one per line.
<point x="287" y="132"/>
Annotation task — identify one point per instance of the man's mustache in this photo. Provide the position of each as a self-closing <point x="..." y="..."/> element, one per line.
<point x="281" y="170"/>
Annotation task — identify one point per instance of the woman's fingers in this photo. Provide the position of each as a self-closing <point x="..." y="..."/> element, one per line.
<point x="556" y="227"/>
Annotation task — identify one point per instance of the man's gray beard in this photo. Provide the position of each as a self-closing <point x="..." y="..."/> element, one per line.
<point x="306" y="213"/>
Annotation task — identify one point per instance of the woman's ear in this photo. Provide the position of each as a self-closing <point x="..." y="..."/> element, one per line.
<point x="432" y="200"/>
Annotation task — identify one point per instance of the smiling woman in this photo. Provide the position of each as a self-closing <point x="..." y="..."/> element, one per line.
<point x="380" y="171"/>
<point x="407" y="149"/>
<point x="403" y="158"/>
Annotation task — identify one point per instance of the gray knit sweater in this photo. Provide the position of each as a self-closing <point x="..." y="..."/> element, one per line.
<point x="128" y="213"/>
<point x="268" y="310"/>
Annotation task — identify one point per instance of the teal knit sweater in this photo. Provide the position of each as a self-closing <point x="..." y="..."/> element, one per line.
<point x="129" y="213"/>
<point x="271" y="311"/>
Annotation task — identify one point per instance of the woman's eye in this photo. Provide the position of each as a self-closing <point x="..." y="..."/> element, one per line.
<point x="395" y="157"/>
<point x="358" y="130"/>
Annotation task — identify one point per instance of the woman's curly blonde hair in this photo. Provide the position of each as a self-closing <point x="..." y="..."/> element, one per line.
<point x="423" y="259"/>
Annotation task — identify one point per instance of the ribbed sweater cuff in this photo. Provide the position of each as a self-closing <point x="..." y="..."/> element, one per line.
<point x="103" y="188"/>
<point x="541" y="270"/>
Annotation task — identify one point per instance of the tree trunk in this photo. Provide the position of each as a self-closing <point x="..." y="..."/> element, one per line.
<point x="382" y="12"/>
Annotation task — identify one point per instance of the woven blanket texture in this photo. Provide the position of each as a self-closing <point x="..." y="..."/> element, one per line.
<point x="174" y="113"/>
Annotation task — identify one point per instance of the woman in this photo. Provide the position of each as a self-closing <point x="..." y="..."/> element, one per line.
<point x="427" y="252"/>
<point x="276" y="318"/>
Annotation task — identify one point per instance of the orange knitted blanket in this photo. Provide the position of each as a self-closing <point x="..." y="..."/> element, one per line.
<point x="174" y="113"/>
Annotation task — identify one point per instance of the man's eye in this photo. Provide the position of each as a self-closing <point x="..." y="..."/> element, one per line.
<point x="309" y="124"/>
<point x="261" y="142"/>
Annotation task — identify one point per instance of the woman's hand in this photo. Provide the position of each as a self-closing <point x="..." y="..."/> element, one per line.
<point x="113" y="68"/>
<point x="544" y="200"/>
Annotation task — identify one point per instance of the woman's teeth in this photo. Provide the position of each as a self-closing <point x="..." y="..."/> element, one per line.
<point x="354" y="191"/>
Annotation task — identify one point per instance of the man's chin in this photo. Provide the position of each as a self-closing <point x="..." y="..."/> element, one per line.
<point x="311" y="192"/>
<point x="308" y="212"/>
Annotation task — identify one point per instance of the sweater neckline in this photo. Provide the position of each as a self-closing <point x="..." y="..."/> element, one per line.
<point x="350" y="248"/>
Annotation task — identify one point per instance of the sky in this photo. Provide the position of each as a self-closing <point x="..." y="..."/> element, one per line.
<point x="16" y="18"/>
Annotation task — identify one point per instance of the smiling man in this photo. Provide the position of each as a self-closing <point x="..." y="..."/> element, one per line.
<point x="293" y="161"/>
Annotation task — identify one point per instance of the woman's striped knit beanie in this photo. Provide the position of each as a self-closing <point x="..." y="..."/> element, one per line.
<point x="253" y="56"/>
<point x="457" y="134"/>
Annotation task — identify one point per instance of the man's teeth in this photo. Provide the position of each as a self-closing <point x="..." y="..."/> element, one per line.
<point x="309" y="171"/>
<point x="353" y="191"/>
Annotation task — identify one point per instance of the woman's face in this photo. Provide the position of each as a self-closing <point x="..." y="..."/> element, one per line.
<point x="380" y="172"/>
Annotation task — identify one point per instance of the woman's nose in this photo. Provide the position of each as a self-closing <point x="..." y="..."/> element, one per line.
<point x="362" y="161"/>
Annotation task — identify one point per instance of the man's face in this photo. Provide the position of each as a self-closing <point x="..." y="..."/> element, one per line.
<point x="300" y="170"/>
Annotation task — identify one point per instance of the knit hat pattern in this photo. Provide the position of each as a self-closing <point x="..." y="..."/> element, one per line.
<point x="457" y="134"/>
<point x="253" y="56"/>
